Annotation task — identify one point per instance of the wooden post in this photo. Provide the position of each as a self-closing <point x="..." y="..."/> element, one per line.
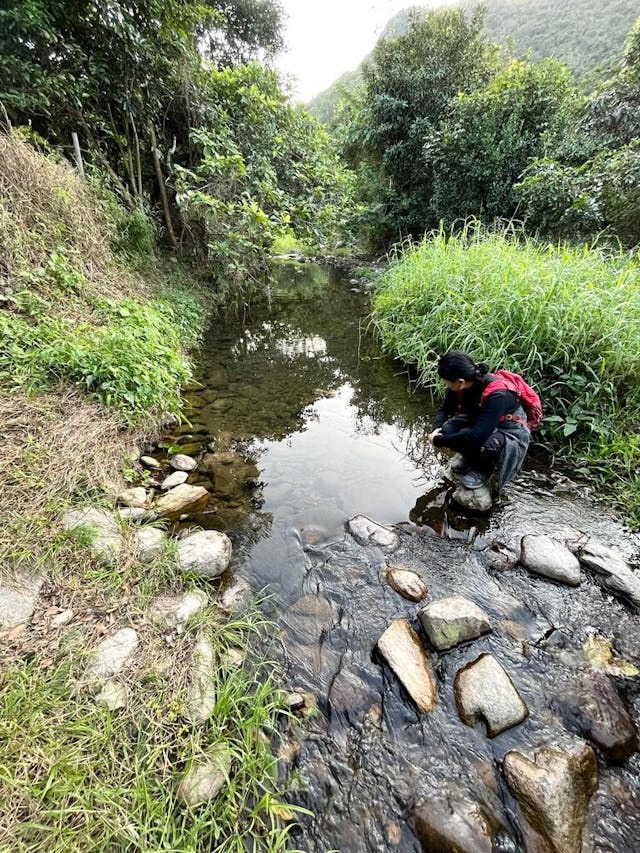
<point x="78" y="153"/>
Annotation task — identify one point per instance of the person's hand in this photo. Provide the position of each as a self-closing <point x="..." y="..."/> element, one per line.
<point x="434" y="434"/>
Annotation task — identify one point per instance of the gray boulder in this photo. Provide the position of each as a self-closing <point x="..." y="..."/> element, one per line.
<point x="206" y="553"/>
<point x="136" y="497"/>
<point x="172" y="611"/>
<point x="111" y="655"/>
<point x="454" y="620"/>
<point x="204" y="780"/>
<point x="107" y="543"/>
<point x="484" y="691"/>
<point x="610" y="569"/>
<point x="201" y="699"/>
<point x="545" y="556"/>
<point x="477" y="500"/>
<point x="173" y="480"/>
<point x="182" y="462"/>
<point x="18" y="598"/>
<point x="150" y="543"/>
<point x="553" y="786"/>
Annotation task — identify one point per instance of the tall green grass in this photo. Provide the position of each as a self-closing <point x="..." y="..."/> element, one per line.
<point x="567" y="318"/>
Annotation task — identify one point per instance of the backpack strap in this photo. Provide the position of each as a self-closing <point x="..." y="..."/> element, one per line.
<point x="502" y="384"/>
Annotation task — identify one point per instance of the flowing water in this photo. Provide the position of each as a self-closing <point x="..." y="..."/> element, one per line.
<point x="307" y="425"/>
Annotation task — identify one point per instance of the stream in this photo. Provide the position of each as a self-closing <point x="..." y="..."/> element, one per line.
<point x="303" y="424"/>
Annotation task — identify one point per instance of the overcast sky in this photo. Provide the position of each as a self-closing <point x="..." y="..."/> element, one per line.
<point x="327" y="38"/>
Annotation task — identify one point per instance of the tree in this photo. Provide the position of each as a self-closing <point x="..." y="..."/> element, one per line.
<point x="490" y="136"/>
<point x="408" y="82"/>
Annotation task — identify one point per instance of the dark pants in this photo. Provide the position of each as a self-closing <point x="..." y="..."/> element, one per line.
<point x="484" y="458"/>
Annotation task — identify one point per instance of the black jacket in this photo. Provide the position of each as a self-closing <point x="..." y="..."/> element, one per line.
<point x="483" y="420"/>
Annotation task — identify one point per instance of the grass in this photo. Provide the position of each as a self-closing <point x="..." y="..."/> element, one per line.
<point x="76" y="777"/>
<point x="72" y="311"/>
<point x="93" y="347"/>
<point x="567" y="318"/>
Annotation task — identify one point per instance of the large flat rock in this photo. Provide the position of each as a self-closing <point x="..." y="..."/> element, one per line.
<point x="545" y="556"/>
<point x="454" y="620"/>
<point x="553" y="786"/>
<point x="368" y="532"/>
<point x="484" y="691"/>
<point x="611" y="570"/>
<point x="403" y="651"/>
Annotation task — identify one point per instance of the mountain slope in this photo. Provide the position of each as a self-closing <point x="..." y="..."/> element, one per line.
<point x="585" y="34"/>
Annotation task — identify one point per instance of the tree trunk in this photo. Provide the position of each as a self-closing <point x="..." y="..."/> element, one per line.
<point x="162" y="188"/>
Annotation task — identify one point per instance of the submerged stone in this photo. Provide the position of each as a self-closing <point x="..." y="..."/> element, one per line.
<point x="368" y="532"/>
<point x="454" y="824"/>
<point x="484" y="691"/>
<point x="403" y="651"/>
<point x="553" y="786"/>
<point x="545" y="556"/>
<point x="454" y="620"/>
<point x="593" y="709"/>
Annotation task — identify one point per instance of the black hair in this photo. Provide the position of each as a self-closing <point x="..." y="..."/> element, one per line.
<point x="458" y="365"/>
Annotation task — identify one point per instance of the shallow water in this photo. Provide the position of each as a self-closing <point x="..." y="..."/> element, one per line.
<point x="334" y="429"/>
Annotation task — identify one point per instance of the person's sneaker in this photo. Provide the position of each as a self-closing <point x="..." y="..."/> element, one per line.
<point x="474" y="479"/>
<point x="459" y="465"/>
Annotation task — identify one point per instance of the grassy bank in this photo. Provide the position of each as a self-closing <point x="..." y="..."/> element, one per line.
<point x="95" y="334"/>
<point x="566" y="318"/>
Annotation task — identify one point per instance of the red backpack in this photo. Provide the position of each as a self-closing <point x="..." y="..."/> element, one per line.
<point x="527" y="397"/>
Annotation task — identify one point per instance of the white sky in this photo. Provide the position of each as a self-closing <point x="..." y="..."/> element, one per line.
<point x="329" y="37"/>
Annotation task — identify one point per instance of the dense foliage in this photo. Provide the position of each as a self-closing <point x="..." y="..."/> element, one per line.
<point x="567" y="318"/>
<point x="168" y="105"/>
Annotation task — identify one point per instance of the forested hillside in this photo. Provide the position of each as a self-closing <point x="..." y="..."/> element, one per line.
<point x="583" y="34"/>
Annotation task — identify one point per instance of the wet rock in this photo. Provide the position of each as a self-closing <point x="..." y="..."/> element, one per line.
<point x="368" y="532"/>
<point x="182" y="462"/>
<point x="447" y="824"/>
<point x="451" y="621"/>
<point x="593" y="709"/>
<point x="545" y="556"/>
<point x="172" y="611"/>
<point x="611" y="570"/>
<point x="206" y="553"/>
<point x="499" y="557"/>
<point x="553" y="786"/>
<point x="477" y="500"/>
<point x="113" y="695"/>
<point x="136" y="497"/>
<point x="294" y="701"/>
<point x="201" y="699"/>
<point x="150" y="543"/>
<point x="402" y="650"/>
<point x="598" y="653"/>
<point x="150" y="462"/>
<point x="182" y="499"/>
<point x="111" y="655"/>
<point x="173" y="480"/>
<point x="107" y="542"/>
<point x="236" y="596"/>
<point x="309" y="618"/>
<point x="205" y="780"/>
<point x="351" y="692"/>
<point x="406" y="583"/>
<point x="18" y="598"/>
<point x="484" y="691"/>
